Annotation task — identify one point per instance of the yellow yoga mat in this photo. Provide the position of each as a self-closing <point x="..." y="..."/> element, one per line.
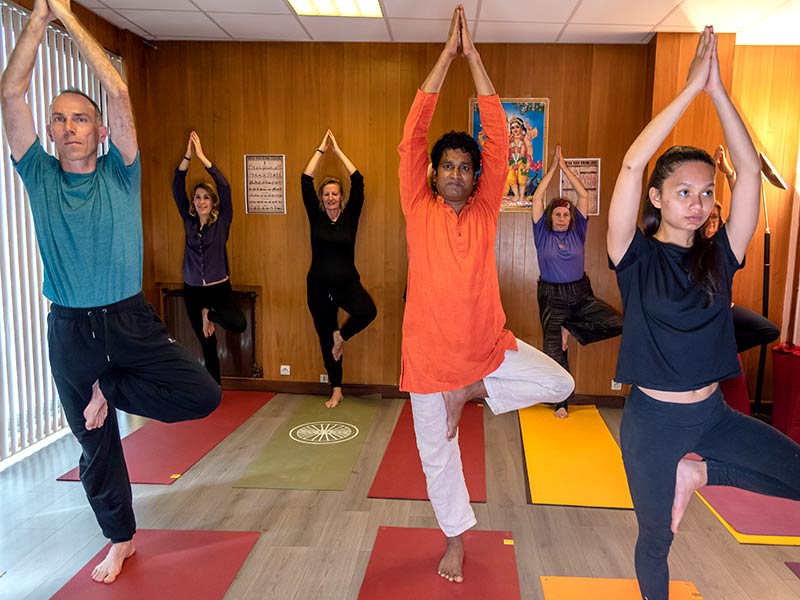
<point x="585" y="588"/>
<point x="573" y="461"/>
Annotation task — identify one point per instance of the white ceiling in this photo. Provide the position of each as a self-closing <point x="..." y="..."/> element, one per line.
<point x="515" y="21"/>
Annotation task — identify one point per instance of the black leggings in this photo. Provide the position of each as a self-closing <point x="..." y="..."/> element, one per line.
<point x="324" y="302"/>
<point x="752" y="329"/>
<point x="222" y="310"/>
<point x="739" y="451"/>
<point x="142" y="370"/>
<point x="573" y="306"/>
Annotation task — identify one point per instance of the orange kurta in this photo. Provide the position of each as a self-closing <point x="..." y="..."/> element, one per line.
<point x="453" y="331"/>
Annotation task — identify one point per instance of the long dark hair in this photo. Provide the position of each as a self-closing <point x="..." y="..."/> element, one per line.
<point x="703" y="259"/>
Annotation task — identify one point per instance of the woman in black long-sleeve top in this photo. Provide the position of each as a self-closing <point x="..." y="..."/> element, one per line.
<point x="333" y="281"/>
<point x="206" y="275"/>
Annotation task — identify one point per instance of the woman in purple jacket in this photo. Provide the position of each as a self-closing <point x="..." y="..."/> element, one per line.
<point x="206" y="275"/>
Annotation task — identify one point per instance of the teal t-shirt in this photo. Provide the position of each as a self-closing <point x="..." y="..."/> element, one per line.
<point x="88" y="227"/>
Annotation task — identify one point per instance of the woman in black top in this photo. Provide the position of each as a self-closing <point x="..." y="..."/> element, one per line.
<point x="333" y="281"/>
<point x="677" y="338"/>
<point x="206" y="275"/>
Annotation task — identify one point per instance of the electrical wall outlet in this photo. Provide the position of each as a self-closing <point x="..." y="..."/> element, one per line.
<point x="616" y="385"/>
<point x="286" y="370"/>
<point x="323" y="378"/>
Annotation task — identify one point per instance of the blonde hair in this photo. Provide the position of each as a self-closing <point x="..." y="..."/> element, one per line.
<point x="328" y="181"/>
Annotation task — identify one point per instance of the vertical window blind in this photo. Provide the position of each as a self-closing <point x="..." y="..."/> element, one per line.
<point x="29" y="406"/>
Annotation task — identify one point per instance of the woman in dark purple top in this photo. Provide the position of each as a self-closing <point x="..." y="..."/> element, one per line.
<point x="333" y="281"/>
<point x="206" y="275"/>
<point x="566" y="302"/>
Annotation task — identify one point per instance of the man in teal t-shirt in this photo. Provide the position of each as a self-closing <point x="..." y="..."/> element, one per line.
<point x="107" y="346"/>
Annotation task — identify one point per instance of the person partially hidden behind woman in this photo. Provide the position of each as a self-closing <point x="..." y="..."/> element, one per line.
<point x="566" y="301"/>
<point x="333" y="281"/>
<point x="750" y="328"/>
<point x="207" y="288"/>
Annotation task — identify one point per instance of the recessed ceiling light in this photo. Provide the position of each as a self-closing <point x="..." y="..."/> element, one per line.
<point x="337" y="8"/>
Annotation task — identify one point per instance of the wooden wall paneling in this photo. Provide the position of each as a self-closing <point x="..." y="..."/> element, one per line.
<point x="280" y="97"/>
<point x="766" y="86"/>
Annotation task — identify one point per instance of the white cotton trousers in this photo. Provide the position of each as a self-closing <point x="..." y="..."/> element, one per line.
<point x="525" y="377"/>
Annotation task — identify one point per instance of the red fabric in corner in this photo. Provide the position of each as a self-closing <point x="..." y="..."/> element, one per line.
<point x="400" y="475"/>
<point x="786" y="389"/>
<point x="179" y="565"/>
<point x="795" y="567"/>
<point x="734" y="390"/>
<point x="161" y="452"/>
<point x="404" y="561"/>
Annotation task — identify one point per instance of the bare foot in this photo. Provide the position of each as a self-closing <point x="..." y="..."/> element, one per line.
<point x="455" y="400"/>
<point x="452" y="560"/>
<point x="208" y="326"/>
<point x="96" y="411"/>
<point x="111" y="565"/>
<point x="561" y="413"/>
<point x="336" y="397"/>
<point x="564" y="339"/>
<point x="690" y="476"/>
<point x="338" y="345"/>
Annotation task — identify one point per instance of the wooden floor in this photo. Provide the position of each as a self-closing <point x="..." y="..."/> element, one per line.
<point x="316" y="545"/>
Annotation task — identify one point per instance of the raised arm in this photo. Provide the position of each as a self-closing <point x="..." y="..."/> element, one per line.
<point x="623" y="211"/>
<point x="313" y="162"/>
<point x="540" y="195"/>
<point x="348" y="164"/>
<point x="17" y="116"/>
<point x="582" y="203"/>
<point x="483" y="85"/>
<point x="187" y="156"/>
<point x="179" y="181"/>
<point x="433" y="82"/>
<point x="743" y="216"/>
<point x="120" y="111"/>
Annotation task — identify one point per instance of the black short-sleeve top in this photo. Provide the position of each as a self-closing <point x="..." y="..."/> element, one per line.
<point x="672" y="339"/>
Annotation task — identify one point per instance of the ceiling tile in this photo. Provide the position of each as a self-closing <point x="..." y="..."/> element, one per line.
<point x="517" y="33"/>
<point x="724" y="15"/>
<point x="151" y="4"/>
<point x="419" y="30"/>
<point x="780" y="28"/>
<point x="623" y="12"/>
<point x="346" y="29"/>
<point x="92" y="4"/>
<point x="186" y="25"/>
<point x="261" y="27"/>
<point x="116" y="19"/>
<point x="529" y="11"/>
<point x="267" y="7"/>
<point x="426" y="9"/>
<point x="605" y="34"/>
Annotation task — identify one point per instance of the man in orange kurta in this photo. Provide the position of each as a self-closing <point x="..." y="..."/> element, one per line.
<point x="454" y="345"/>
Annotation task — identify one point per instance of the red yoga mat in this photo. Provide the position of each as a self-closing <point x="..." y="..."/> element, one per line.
<point x="169" y="565"/>
<point x="404" y="561"/>
<point x="400" y="475"/>
<point x="754" y="514"/>
<point x="161" y="452"/>
<point x="794" y="567"/>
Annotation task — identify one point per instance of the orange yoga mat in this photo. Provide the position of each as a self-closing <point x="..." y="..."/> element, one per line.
<point x="404" y="561"/>
<point x="400" y="475"/>
<point x="169" y="565"/>
<point x="589" y="588"/>
<point x="161" y="452"/>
